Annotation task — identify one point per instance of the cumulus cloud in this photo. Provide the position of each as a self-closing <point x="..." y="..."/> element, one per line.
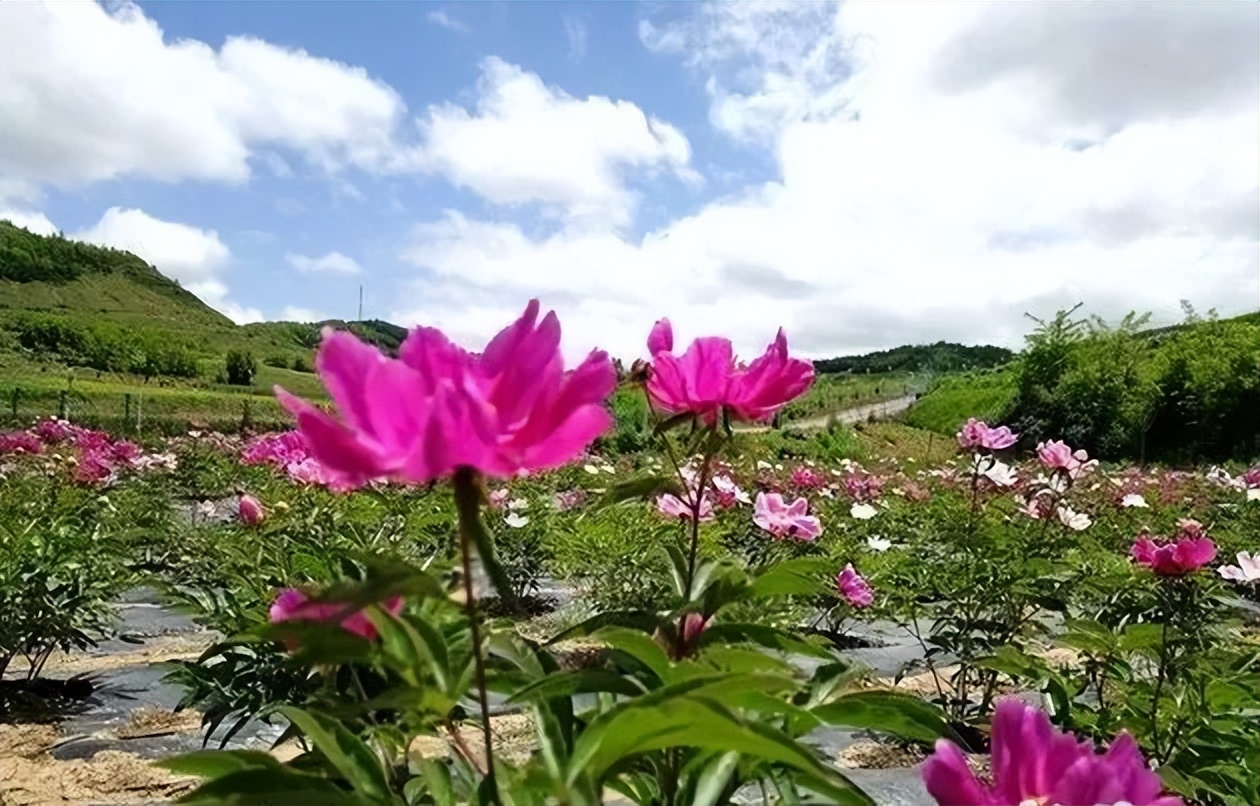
<point x="333" y="262"/>
<point x="34" y="221"/>
<point x="193" y="256"/>
<point x="527" y="142"/>
<point x="911" y="202"/>
<point x="93" y="93"/>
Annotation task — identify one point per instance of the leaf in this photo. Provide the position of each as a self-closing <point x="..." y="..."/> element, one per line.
<point x="639" y="646"/>
<point x="639" y="488"/>
<point x="344" y="750"/>
<point x="413" y="644"/>
<point x="640" y="620"/>
<point x="902" y="715"/>
<point x="671" y="423"/>
<point x="799" y="577"/>
<point x="762" y="635"/>
<point x="274" y="787"/>
<point x="579" y="681"/>
<point x="714" y="778"/>
<point x="490" y="562"/>
<point x="434" y="778"/>
<point x="213" y="764"/>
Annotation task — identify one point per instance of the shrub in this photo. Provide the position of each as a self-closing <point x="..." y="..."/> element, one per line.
<point x="240" y="368"/>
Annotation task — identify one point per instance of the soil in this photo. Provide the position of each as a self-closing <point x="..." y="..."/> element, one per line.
<point x="869" y="755"/>
<point x="513" y="736"/>
<point x="30" y="776"/>
<point x="162" y="649"/>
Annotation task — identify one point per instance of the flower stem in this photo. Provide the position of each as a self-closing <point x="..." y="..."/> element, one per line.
<point x="468" y="505"/>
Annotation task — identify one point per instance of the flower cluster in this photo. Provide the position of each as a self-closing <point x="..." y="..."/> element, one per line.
<point x="1186" y="553"/>
<point x="95" y="456"/>
<point x="977" y="434"/>
<point x="290" y="452"/>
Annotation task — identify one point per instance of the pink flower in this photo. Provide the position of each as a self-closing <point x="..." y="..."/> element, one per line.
<point x="726" y="492"/>
<point x="705" y="379"/>
<point x="807" y="478"/>
<point x="853" y="588"/>
<point x="780" y="519"/>
<point x="94" y="467"/>
<point x="863" y="488"/>
<point x="510" y="410"/>
<point x="672" y="506"/>
<point x="1033" y="763"/>
<point x="1252" y="477"/>
<point x="1058" y="456"/>
<point x="1177" y="558"/>
<point x="250" y="510"/>
<point x="661" y="339"/>
<point x="20" y="442"/>
<point x="53" y="430"/>
<point x="568" y="499"/>
<point x="498" y="498"/>
<point x="976" y="434"/>
<point x="693" y="626"/>
<point x="294" y="605"/>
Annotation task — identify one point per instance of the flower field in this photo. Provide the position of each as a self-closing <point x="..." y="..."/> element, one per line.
<point x="461" y="542"/>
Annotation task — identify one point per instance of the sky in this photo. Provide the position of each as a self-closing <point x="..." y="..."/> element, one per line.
<point x="864" y="174"/>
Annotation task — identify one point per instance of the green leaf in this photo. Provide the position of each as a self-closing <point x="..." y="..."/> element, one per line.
<point x="902" y="715"/>
<point x="713" y="779"/>
<point x="579" y="681"/>
<point x="762" y="635"/>
<point x="639" y="646"/>
<point x="671" y="423"/>
<point x="435" y="779"/>
<point x="217" y="763"/>
<point x="640" y="620"/>
<point x="274" y="787"/>
<point x="639" y="488"/>
<point x="799" y="577"/>
<point x="413" y="645"/>
<point x="345" y="751"/>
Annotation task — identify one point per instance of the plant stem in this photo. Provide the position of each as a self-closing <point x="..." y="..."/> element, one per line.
<point x="468" y="504"/>
<point x="1160" y="673"/>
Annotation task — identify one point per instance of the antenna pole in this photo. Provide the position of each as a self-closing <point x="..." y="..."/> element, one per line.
<point x="360" y="302"/>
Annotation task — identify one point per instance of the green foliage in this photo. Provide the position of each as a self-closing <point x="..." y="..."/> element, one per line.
<point x="1189" y="392"/>
<point x="103" y="346"/>
<point x="240" y="368"/>
<point x="985" y="395"/>
<point x="932" y="358"/>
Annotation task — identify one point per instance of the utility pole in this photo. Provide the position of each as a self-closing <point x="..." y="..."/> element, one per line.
<point x="360" y="319"/>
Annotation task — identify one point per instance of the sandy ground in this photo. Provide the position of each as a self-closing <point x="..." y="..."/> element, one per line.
<point x="162" y="649"/>
<point x="30" y="776"/>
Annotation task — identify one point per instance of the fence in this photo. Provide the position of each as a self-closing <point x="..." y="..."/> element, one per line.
<point x="159" y="410"/>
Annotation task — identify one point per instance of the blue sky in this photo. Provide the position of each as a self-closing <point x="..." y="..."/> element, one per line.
<point x="864" y="174"/>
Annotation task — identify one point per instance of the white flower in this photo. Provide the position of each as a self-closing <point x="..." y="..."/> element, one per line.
<point x="1247" y="570"/>
<point x="762" y="465"/>
<point x="515" y="520"/>
<point x="863" y="512"/>
<point x="1134" y="500"/>
<point x="518" y="504"/>
<point x="1076" y="521"/>
<point x="1001" y="474"/>
<point x="592" y="469"/>
<point x="1253" y="494"/>
<point x="877" y="543"/>
<point x="827" y="492"/>
<point x="609" y="469"/>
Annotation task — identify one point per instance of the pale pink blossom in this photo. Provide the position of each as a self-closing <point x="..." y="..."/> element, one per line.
<point x="672" y="506"/>
<point x="781" y="519"/>
<point x="1247" y="571"/>
<point x="977" y="434"/>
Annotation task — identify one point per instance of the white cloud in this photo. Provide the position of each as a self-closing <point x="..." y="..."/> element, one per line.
<point x="905" y="209"/>
<point x="575" y="31"/>
<point x="445" y="20"/>
<point x="193" y="256"/>
<point x="91" y="94"/>
<point x="293" y="313"/>
<point x="34" y="221"/>
<point x="527" y="142"/>
<point x="333" y="262"/>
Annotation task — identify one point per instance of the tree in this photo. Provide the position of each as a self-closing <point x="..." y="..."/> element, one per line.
<point x="240" y="368"/>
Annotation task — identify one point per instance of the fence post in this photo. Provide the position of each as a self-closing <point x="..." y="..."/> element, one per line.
<point x="13" y="403"/>
<point x="139" y="411"/>
<point x="246" y="419"/>
<point x="61" y="405"/>
<point x="126" y="409"/>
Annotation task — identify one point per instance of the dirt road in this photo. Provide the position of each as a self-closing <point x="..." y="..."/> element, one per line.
<point x="857" y="414"/>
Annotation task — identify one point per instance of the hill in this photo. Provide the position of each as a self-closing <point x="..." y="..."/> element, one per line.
<point x="935" y="358"/>
<point x="100" y="332"/>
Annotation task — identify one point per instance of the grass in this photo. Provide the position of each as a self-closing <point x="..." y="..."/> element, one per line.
<point x="986" y="395"/>
<point x="831" y="393"/>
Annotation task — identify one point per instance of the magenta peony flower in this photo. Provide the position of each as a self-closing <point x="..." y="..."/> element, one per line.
<point x="53" y="430"/>
<point x="863" y="488"/>
<point x="705" y="379"/>
<point x="780" y="519"/>
<point x="806" y="478"/>
<point x="1033" y="763"/>
<point x="250" y="510"/>
<point x="853" y="588"/>
<point x="95" y="466"/>
<point x="1251" y="479"/>
<point x="693" y="626"/>
<point x="1178" y="558"/>
<point x="1058" y="456"/>
<point x="510" y="410"/>
<point x="294" y="605"/>
<point x="976" y="434"/>
<point x="20" y="442"/>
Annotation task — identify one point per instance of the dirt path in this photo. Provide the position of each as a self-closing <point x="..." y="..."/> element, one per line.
<point x="857" y="414"/>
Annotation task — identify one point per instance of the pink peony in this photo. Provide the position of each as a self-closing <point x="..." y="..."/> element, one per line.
<point x="510" y="410"/>
<point x="498" y="498"/>
<point x="568" y="499"/>
<point x="672" y="506"/>
<point x="53" y="430"/>
<point x="976" y="434"/>
<point x="693" y="626"/>
<point x="1058" y="456"/>
<point x="853" y="588"/>
<point x="1180" y="557"/>
<point x="1251" y="479"/>
<point x="863" y="488"/>
<point x="20" y="442"/>
<point x="294" y="605"/>
<point x="94" y="467"/>
<point x="806" y="478"/>
<point x="250" y="510"/>
<point x="726" y="493"/>
<point x="780" y="519"/>
<point x="705" y="379"/>
<point x="1033" y="763"/>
